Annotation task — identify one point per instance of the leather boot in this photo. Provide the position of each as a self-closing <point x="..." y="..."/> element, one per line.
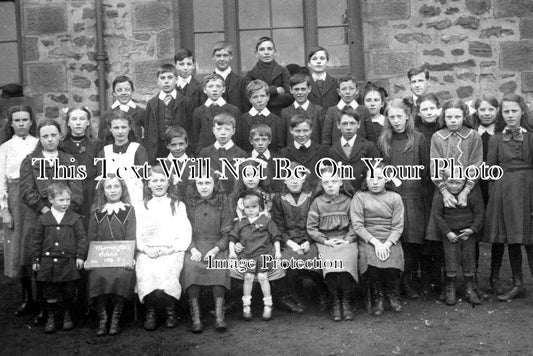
<point x="291" y="303"/>
<point x="101" y="330"/>
<point x="28" y="304"/>
<point x="480" y="292"/>
<point x="196" y="326"/>
<point x="377" y="300"/>
<point x="408" y="288"/>
<point x="451" y="291"/>
<point x="347" y="308"/>
<point x="393" y="294"/>
<point x="114" y="328"/>
<point x="50" y="326"/>
<point x="171" y="317"/>
<point x="68" y="324"/>
<point x="514" y="292"/>
<point x="336" y="313"/>
<point x="220" y="324"/>
<point x="150" y="319"/>
<point x="470" y="291"/>
<point x="495" y="285"/>
<point x="323" y="300"/>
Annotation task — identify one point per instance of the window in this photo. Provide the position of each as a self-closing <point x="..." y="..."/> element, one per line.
<point x="10" y="65"/>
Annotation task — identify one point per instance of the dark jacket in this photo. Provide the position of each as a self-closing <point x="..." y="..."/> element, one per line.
<point x="275" y="76"/>
<point x="202" y="124"/>
<point x="326" y="98"/>
<point x="315" y="112"/>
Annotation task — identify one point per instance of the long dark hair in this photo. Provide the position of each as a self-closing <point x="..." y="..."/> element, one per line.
<point x="455" y="104"/>
<point x="425" y="97"/>
<point x="44" y="123"/>
<point x="99" y="198"/>
<point x="8" y="129"/>
<point x="194" y="198"/>
<point x="385" y="138"/>
<point x="525" y="120"/>
<point x="171" y="191"/>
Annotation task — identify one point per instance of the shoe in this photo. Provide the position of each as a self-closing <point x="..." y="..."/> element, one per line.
<point x="292" y="304"/>
<point x="114" y="328"/>
<point x="495" y="285"/>
<point x="470" y="291"/>
<point x="41" y="318"/>
<point x="336" y="313"/>
<point x="323" y="305"/>
<point x="408" y="288"/>
<point x="68" y="324"/>
<point x="150" y="318"/>
<point x="50" y="326"/>
<point x="267" y="309"/>
<point x="194" y="306"/>
<point x="347" y="309"/>
<point x="28" y="304"/>
<point x="220" y="324"/>
<point x="247" y="313"/>
<point x="451" y="291"/>
<point x="514" y="292"/>
<point x="378" y="302"/>
<point x="393" y="294"/>
<point x="101" y="330"/>
<point x="171" y="317"/>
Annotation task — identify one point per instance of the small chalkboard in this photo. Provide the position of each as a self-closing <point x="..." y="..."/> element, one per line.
<point x="110" y="254"/>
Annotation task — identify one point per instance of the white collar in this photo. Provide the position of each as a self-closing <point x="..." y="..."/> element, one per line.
<point x="415" y="98"/>
<point x="111" y="208"/>
<point x="58" y="215"/>
<point x="303" y="106"/>
<point x="254" y="219"/>
<point x="266" y="154"/>
<point x="184" y="81"/>
<point x="306" y="145"/>
<point x="350" y="142"/>
<point x="124" y="107"/>
<point x="380" y="119"/>
<point x="342" y="104"/>
<point x="254" y="112"/>
<point x="220" y="102"/>
<point x="181" y="158"/>
<point x="488" y="129"/>
<point x="319" y="76"/>
<point x="224" y="74"/>
<point x="28" y="138"/>
<point x="227" y="146"/>
<point x="163" y="95"/>
<point x="50" y="155"/>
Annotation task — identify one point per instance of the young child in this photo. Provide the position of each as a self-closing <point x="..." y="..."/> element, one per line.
<point x="347" y="89"/>
<point x="378" y="216"/>
<point x="161" y="248"/>
<point x="373" y="98"/>
<point x="113" y="219"/>
<point x="328" y="224"/>
<point x="300" y="89"/>
<point x="202" y="117"/>
<point x="274" y="75"/>
<point x="122" y="92"/>
<point x="324" y="86"/>
<point x="351" y="146"/>
<point x="260" y="138"/>
<point x="258" y="94"/>
<point x="460" y="226"/>
<point x="235" y="93"/>
<point x="223" y="129"/>
<point x="260" y="236"/>
<point x="186" y="84"/>
<point x="209" y="240"/>
<point x="177" y="142"/>
<point x="20" y="130"/>
<point x="418" y="82"/>
<point x="508" y="219"/>
<point x="58" y="252"/>
<point x="168" y="108"/>
<point x="401" y="145"/>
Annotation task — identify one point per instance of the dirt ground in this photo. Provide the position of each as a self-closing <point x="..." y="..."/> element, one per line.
<point x="425" y="327"/>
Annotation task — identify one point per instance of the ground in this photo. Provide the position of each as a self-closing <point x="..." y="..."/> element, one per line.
<point x="425" y="327"/>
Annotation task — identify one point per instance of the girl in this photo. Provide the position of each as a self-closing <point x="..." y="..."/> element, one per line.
<point x="20" y="141"/>
<point x="377" y="216"/>
<point x="209" y="241"/>
<point x="509" y="213"/>
<point x="259" y="235"/>
<point x="113" y="219"/>
<point x="401" y="145"/>
<point x="374" y="99"/>
<point x="124" y="154"/>
<point x="276" y="76"/>
<point x="37" y="165"/>
<point x="289" y="211"/>
<point x="426" y="120"/>
<point x="163" y="235"/>
<point x="328" y="223"/>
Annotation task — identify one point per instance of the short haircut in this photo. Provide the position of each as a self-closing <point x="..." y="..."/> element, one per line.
<point x="264" y="39"/>
<point x="166" y="68"/>
<point x="224" y="118"/>
<point x="417" y="70"/>
<point x="300" y="78"/>
<point x="213" y="76"/>
<point x="122" y="79"/>
<point x="261" y="130"/>
<point x="256" y="85"/>
<point x="58" y="188"/>
<point x="183" y="53"/>
<point x="298" y="119"/>
<point x="349" y="111"/>
<point x="346" y="78"/>
<point x="119" y="115"/>
<point x="316" y="49"/>
<point x="220" y="45"/>
<point x="175" y="131"/>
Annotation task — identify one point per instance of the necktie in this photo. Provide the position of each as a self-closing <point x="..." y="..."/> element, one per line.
<point x="347" y="149"/>
<point x="167" y="99"/>
<point x="300" y="109"/>
<point x="302" y="148"/>
<point x="261" y="156"/>
<point x="222" y="152"/>
<point x="214" y="109"/>
<point x="346" y="107"/>
<point x="320" y="84"/>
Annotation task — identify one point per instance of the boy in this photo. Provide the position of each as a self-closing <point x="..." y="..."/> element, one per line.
<point x="300" y="90"/>
<point x="459" y="226"/>
<point x="351" y="147"/>
<point x="223" y="129"/>
<point x="235" y="92"/>
<point x="258" y="94"/>
<point x="202" y="117"/>
<point x="122" y="91"/>
<point x="168" y="108"/>
<point x="303" y="150"/>
<point x="59" y="250"/>
<point x="260" y="138"/>
<point x="347" y="89"/>
<point x="186" y="83"/>
<point x="177" y="142"/>
<point x="323" y="87"/>
<point x="418" y="81"/>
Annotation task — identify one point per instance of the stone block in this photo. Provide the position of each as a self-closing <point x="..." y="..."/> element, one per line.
<point x="61" y="98"/>
<point x="377" y="34"/>
<point x="165" y="44"/>
<point x="31" y="49"/>
<point x="508" y="87"/>
<point x="81" y="82"/>
<point x="452" y="39"/>
<point x="465" y="92"/>
<point x="51" y="112"/>
<point x="441" y="67"/>
<point x="145" y="75"/>
<point x="458" y="52"/>
<point x="386" y="10"/>
<point x="47" y="19"/>
<point x="478" y="7"/>
<point x="153" y="15"/>
<point x="448" y="78"/>
<point x="444" y="95"/>
<point x="527" y="82"/>
<point x="526" y="28"/>
<point x="480" y="49"/>
<point x="419" y="37"/>
<point x="467" y="76"/>
<point x="391" y="62"/>
<point x="510" y="8"/>
<point x="516" y="55"/>
<point x="429" y="11"/>
<point x="46" y="77"/>
<point x="468" y="22"/>
<point x="434" y="52"/>
<point x="496" y="31"/>
<point x="451" y="10"/>
<point x="440" y="25"/>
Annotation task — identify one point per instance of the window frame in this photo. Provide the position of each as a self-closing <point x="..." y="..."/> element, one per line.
<point x="18" y="24"/>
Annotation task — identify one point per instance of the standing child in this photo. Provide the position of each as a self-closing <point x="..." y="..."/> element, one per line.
<point x="260" y="138"/>
<point x="59" y="250"/>
<point x="276" y="76"/>
<point x="168" y="108"/>
<point x="328" y="224"/>
<point x="373" y="98"/>
<point x="177" y="160"/>
<point x="186" y="84"/>
<point x="113" y="219"/>
<point x="427" y="115"/>
<point x="324" y="86"/>
<point x="377" y="218"/>
<point x="259" y="236"/>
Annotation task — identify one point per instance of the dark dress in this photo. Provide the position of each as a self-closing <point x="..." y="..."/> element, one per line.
<point x="112" y="227"/>
<point x="427" y="129"/>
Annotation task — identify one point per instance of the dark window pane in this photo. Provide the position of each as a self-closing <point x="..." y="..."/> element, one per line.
<point x="336" y="42"/>
<point x="9" y="65"/>
<point x="8" y="25"/>
<point x="331" y="12"/>
<point x="287" y="13"/>
<point x="290" y="46"/>
<point x="208" y="15"/>
<point x="254" y="14"/>
<point x="248" y="40"/>
<point x="203" y="43"/>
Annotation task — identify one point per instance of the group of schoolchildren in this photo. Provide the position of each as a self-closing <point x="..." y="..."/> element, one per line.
<point x="385" y="231"/>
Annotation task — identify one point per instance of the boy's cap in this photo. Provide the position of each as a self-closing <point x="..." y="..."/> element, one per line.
<point x="12" y="90"/>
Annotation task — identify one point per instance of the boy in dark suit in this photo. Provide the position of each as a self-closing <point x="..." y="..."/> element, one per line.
<point x="260" y="138"/>
<point x="187" y="85"/>
<point x="351" y="147"/>
<point x="323" y="86"/>
<point x="202" y="117"/>
<point x="168" y="108"/>
<point x="177" y="142"/>
<point x="300" y="89"/>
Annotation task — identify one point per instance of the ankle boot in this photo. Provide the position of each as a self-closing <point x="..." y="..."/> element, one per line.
<point x="470" y="291"/>
<point x="68" y="324"/>
<point x="28" y="304"/>
<point x="480" y="292"/>
<point x="220" y="324"/>
<point x="514" y="292"/>
<point x="150" y="319"/>
<point x="50" y="326"/>
<point x="114" y="328"/>
<point x="323" y="301"/>
<point x="101" y="330"/>
<point x="451" y="290"/>
<point x="336" y="310"/>
<point x="246" y="308"/>
<point x="377" y="301"/>
<point x="171" y="317"/>
<point x="292" y="304"/>
<point x="495" y="285"/>
<point x="393" y="294"/>
<point x="408" y="288"/>
<point x="196" y="326"/>
<point x="267" y="308"/>
<point x="347" y="309"/>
